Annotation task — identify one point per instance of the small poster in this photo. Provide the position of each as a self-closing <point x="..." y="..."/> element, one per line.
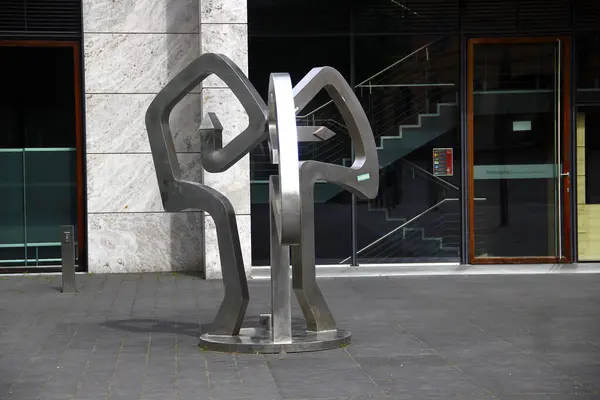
<point x="443" y="162"/>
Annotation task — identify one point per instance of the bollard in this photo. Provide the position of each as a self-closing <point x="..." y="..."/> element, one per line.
<point x="67" y="241"/>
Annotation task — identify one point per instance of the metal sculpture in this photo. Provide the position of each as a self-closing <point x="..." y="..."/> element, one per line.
<point x="291" y="198"/>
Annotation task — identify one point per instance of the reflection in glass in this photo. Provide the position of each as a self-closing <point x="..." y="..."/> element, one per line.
<point x="411" y="101"/>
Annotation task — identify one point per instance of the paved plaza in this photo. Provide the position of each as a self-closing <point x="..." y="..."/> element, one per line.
<point x="128" y="337"/>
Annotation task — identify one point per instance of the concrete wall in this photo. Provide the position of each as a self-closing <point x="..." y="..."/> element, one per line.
<point x="132" y="48"/>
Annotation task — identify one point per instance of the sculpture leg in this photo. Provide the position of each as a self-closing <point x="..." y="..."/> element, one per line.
<point x="230" y="315"/>
<point x="281" y="291"/>
<point x="304" y="281"/>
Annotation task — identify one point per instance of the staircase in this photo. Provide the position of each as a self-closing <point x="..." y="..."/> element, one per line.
<point x="433" y="233"/>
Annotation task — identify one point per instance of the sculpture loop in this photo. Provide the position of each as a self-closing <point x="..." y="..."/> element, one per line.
<point x="283" y="142"/>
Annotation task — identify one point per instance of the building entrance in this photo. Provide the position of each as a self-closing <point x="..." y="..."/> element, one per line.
<point x="519" y="145"/>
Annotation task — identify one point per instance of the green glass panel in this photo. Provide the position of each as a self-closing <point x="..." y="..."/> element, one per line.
<point x="12" y="231"/>
<point x="50" y="193"/>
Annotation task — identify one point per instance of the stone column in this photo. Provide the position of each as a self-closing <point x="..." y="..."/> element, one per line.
<point x="132" y="48"/>
<point x="224" y="29"/>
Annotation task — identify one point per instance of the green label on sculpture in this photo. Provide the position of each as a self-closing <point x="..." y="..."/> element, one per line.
<point x="515" y="171"/>
<point x="363" y="177"/>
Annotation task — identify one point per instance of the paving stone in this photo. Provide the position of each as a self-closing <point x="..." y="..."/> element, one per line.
<point x="134" y="336"/>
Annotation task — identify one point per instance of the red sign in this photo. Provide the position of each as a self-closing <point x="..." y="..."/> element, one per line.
<point x="443" y="162"/>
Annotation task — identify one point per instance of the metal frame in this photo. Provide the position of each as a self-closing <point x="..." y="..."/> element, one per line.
<point x="291" y="198"/>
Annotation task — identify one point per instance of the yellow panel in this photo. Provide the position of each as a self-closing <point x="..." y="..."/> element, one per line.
<point x="581" y="161"/>
<point x="588" y="215"/>
<point x="580" y="189"/>
<point x="588" y="232"/>
<point x="580" y="129"/>
<point x="588" y="250"/>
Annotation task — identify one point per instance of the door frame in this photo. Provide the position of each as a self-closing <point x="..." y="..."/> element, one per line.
<point x="79" y="145"/>
<point x="567" y="256"/>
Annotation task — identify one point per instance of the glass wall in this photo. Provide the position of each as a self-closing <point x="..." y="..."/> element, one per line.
<point x="407" y="83"/>
<point x="410" y="93"/>
<point x="404" y="60"/>
<point x="37" y="153"/>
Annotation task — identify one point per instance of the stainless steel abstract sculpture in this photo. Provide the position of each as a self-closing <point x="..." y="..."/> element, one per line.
<point x="290" y="195"/>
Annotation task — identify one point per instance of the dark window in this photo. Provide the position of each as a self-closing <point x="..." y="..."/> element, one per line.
<point x="298" y="17"/>
<point x="37" y="153"/>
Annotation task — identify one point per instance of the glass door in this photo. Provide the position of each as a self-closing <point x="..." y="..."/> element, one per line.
<point x="519" y="185"/>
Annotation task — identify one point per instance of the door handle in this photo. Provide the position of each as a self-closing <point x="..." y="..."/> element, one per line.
<point x="566" y="174"/>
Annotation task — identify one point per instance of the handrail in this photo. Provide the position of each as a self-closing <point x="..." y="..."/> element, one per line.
<point x="377" y="74"/>
<point x="424" y="171"/>
<point x="329" y="120"/>
<point x="405" y="8"/>
<point x="37" y="149"/>
<point x="400" y="227"/>
<point x="410" y="85"/>
<point x="406" y="223"/>
<point x="400" y="60"/>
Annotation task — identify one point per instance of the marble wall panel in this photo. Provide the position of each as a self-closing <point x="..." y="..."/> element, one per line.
<point x="115" y="123"/>
<point x="223" y="12"/>
<point x="228" y="39"/>
<point x="231" y="114"/>
<point x="134" y="63"/>
<point x="141" y="16"/>
<point x="145" y="242"/>
<point x="211" y="248"/>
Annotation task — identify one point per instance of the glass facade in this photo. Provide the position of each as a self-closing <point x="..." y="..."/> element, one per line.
<point x="38" y="157"/>
<point x="472" y="106"/>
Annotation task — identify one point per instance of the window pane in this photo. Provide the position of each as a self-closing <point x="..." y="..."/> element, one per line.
<point x="308" y="17"/>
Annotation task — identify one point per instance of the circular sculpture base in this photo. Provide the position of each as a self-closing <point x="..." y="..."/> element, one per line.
<point x="258" y="341"/>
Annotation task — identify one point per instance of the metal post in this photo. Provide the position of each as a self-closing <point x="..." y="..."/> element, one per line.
<point x="281" y="289"/>
<point x="67" y="234"/>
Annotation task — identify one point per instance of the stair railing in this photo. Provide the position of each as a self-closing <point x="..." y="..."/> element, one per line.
<point x="334" y="151"/>
<point x="405" y="224"/>
<point x="430" y="176"/>
<point x="400" y="227"/>
<point x="369" y="79"/>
